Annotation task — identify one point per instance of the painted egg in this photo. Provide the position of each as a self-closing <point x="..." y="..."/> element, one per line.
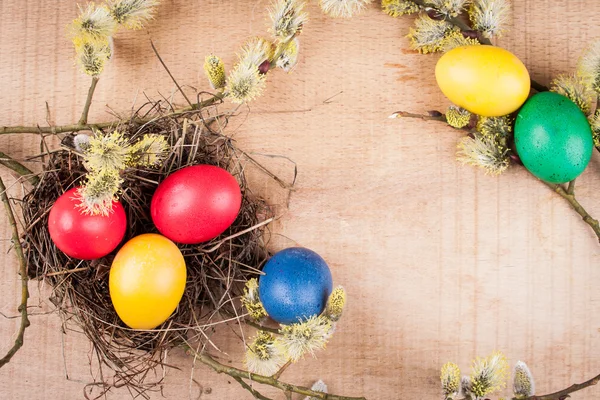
<point x="196" y="204"/>
<point x="296" y="285"/>
<point x="81" y="235"/>
<point x="486" y="80"/>
<point x="147" y="280"/>
<point x="553" y="138"/>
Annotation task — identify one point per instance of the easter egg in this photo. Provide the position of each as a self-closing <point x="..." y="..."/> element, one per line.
<point x="196" y="204"/>
<point x="81" y="235"/>
<point x="147" y="280"/>
<point x="553" y="138"/>
<point x="485" y="80"/>
<point x="296" y="285"/>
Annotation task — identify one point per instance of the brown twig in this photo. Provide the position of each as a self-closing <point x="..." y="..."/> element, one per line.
<point x="570" y="197"/>
<point x="22" y="271"/>
<point x="563" y="394"/>
<point x="19" y="168"/>
<point x="571" y="188"/>
<point x="249" y="388"/>
<point x="463" y="26"/>
<point x="53" y="130"/>
<point x="265" y="380"/>
<point x="170" y="74"/>
<point x="425" y="117"/>
<point x="88" y="101"/>
<point x="568" y="193"/>
<point x="282" y="369"/>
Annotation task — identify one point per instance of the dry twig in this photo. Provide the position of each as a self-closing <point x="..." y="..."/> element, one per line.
<point x="22" y="271"/>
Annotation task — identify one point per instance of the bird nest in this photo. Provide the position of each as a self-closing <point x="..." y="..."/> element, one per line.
<point x="216" y="270"/>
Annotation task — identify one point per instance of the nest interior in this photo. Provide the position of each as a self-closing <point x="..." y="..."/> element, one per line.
<point x="216" y="270"/>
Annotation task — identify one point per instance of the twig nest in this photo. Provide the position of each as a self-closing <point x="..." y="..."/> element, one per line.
<point x="215" y="269"/>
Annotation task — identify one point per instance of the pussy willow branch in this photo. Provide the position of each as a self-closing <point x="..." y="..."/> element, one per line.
<point x="566" y="193"/>
<point x="22" y="271"/>
<point x="463" y="26"/>
<point x="569" y="195"/>
<point x="239" y="374"/>
<point x="563" y="394"/>
<point x="88" y="101"/>
<point x="53" y="130"/>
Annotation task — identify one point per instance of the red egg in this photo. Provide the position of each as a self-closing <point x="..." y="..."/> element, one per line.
<point x="196" y="204"/>
<point x="83" y="236"/>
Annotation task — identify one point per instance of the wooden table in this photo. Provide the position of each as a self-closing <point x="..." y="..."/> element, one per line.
<point x="440" y="261"/>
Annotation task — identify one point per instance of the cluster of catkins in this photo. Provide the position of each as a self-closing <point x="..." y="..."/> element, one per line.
<point x="92" y="31"/>
<point x="269" y="351"/>
<point x="247" y="79"/>
<point x="105" y="157"/>
<point x="489" y="375"/>
<point x="489" y="143"/>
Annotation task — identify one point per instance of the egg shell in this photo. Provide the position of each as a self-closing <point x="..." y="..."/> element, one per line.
<point x="147" y="280"/>
<point x="296" y="285"/>
<point x="85" y="236"/>
<point x="485" y="80"/>
<point x="196" y="204"/>
<point x="553" y="138"/>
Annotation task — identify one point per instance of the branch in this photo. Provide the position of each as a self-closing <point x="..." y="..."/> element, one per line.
<point x="239" y="374"/>
<point x="171" y="75"/>
<point x="19" y="168"/>
<point x="569" y="195"/>
<point x="563" y="394"/>
<point x="88" y="101"/>
<point x="433" y="116"/>
<point x="463" y="26"/>
<point x="22" y="271"/>
<point x="53" y="130"/>
<point x="249" y="388"/>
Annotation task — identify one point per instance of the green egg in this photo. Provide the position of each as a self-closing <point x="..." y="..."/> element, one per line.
<point x="553" y="138"/>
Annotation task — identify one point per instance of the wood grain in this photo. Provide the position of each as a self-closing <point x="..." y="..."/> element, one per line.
<point x="440" y="261"/>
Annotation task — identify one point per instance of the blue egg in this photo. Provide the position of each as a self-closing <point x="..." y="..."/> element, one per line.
<point x="296" y="285"/>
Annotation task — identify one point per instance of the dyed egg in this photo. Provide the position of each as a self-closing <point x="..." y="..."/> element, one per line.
<point x="81" y="235"/>
<point x="196" y="204"/>
<point x="296" y="285"/>
<point x="486" y="80"/>
<point x="147" y="280"/>
<point x="553" y="138"/>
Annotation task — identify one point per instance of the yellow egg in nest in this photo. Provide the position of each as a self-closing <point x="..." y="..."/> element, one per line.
<point x="147" y="280"/>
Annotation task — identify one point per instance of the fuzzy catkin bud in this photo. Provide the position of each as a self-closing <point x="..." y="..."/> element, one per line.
<point x="287" y="19"/>
<point x="132" y="14"/>
<point x="577" y="89"/>
<point x="265" y="355"/>
<point x="318" y="386"/>
<point x="457" y="117"/>
<point x="305" y="337"/>
<point x="489" y="16"/>
<point x="214" y="69"/>
<point x="489" y="374"/>
<point x="428" y="34"/>
<point x="335" y="304"/>
<point x="251" y="300"/>
<point x="343" y="8"/>
<point x="450" y="378"/>
<point x="289" y="55"/>
<point x="397" y="8"/>
<point x="523" y="383"/>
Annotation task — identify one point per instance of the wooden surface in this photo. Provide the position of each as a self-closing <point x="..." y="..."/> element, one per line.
<point x="440" y="261"/>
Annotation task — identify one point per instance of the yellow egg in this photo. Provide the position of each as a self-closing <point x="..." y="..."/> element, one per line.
<point x="147" y="280"/>
<point x="485" y="80"/>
